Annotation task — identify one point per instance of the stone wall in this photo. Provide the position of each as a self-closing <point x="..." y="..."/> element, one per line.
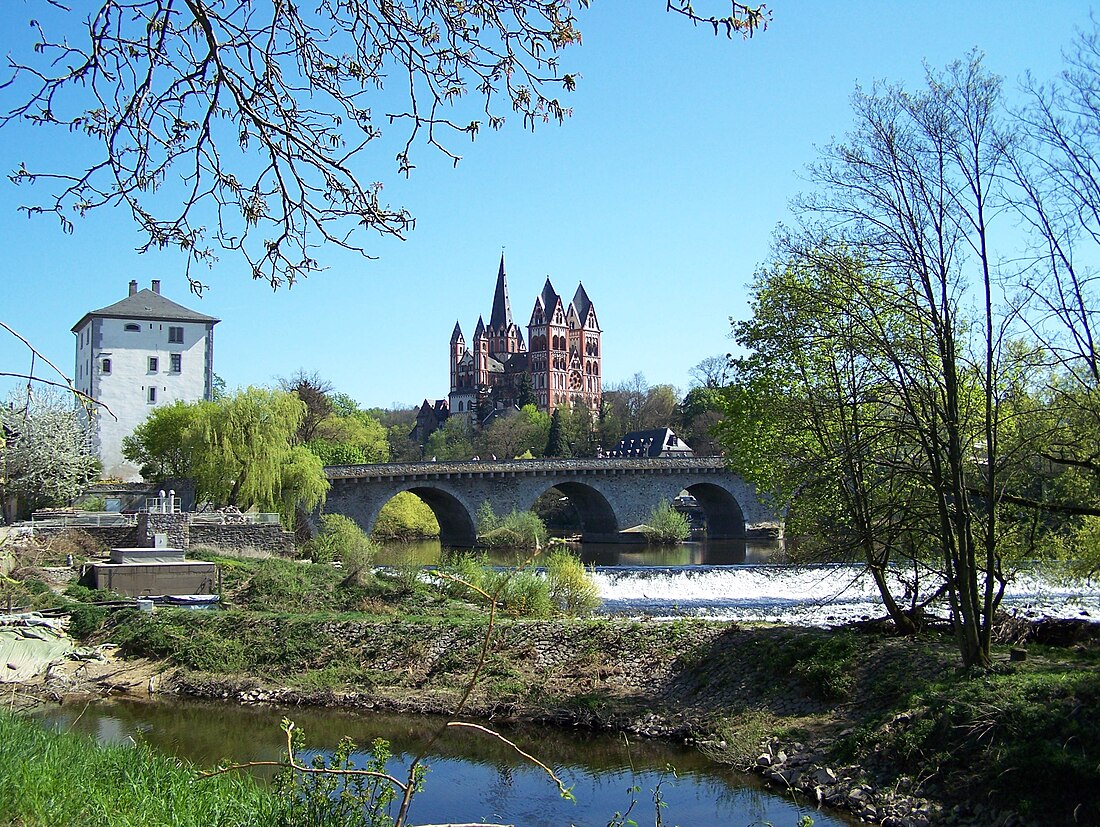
<point x="110" y="536"/>
<point x="267" y="537"/>
<point x="183" y="534"/>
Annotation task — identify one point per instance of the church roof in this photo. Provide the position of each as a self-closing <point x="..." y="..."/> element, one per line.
<point x="501" y="316"/>
<point x="457" y="335"/>
<point x="549" y="297"/>
<point x="146" y="304"/>
<point x="479" y="331"/>
<point x="583" y="305"/>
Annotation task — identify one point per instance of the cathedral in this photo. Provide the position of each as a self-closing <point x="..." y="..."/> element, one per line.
<point x="558" y="367"/>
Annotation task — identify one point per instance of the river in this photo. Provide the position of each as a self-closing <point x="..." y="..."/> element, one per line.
<point x="471" y="777"/>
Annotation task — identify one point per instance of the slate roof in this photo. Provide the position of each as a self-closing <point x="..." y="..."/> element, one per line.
<point x="501" y="317"/>
<point x="656" y="442"/>
<point x="145" y="304"/>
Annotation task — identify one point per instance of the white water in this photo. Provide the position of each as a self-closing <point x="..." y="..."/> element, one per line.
<point x="808" y="595"/>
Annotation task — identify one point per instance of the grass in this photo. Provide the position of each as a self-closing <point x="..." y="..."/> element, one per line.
<point x="51" y="778"/>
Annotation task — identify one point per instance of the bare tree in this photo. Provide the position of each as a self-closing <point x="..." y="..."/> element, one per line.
<point x="244" y="126"/>
<point x="914" y="189"/>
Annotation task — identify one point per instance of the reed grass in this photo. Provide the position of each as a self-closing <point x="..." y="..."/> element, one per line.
<point x="51" y="778"/>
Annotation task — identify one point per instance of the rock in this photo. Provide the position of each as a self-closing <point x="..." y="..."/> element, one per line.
<point x="824" y="777"/>
<point x="763" y="760"/>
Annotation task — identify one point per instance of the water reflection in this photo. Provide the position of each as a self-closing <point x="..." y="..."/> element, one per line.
<point x="695" y="553"/>
<point x="472" y="777"/>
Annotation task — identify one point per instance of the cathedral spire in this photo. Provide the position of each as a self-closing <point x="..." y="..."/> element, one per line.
<point x="457" y="335"/>
<point x="502" y="311"/>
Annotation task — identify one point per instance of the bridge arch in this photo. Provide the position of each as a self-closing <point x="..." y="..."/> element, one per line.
<point x="724" y="515"/>
<point x="456" y="526"/>
<point x="596" y="514"/>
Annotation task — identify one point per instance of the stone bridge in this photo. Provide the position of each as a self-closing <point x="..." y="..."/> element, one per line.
<point x="610" y="495"/>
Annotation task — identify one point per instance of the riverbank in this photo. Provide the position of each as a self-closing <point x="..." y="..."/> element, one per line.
<point x="881" y="726"/>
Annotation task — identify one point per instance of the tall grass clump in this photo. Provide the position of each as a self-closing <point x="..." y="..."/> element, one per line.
<point x="342" y="541"/>
<point x="666" y="525"/>
<point x="517" y="592"/>
<point x="572" y="589"/>
<point x="520" y="529"/>
<point x="62" y="778"/>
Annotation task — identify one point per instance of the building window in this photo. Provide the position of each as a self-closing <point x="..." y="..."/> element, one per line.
<point x="105" y="367"/>
<point x="175" y="335"/>
<point x="152" y="395"/>
<point x="177" y="362"/>
<point x="133" y="328"/>
<point x="154" y="364"/>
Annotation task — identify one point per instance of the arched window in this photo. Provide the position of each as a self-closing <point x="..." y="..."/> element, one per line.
<point x="133" y="328"/>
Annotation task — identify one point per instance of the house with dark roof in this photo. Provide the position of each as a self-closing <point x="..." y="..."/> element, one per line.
<point x="656" y="442"/>
<point x="134" y="356"/>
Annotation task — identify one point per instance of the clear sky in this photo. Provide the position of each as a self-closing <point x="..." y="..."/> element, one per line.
<point x="660" y="194"/>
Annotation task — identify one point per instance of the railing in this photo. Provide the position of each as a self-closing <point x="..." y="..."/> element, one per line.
<point x="85" y="519"/>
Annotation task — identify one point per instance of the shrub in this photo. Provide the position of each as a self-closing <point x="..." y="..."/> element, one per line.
<point x="572" y="589"/>
<point x="519" y="592"/>
<point x="85" y="620"/>
<point x="520" y="529"/>
<point x="666" y="525"/>
<point x="341" y="540"/>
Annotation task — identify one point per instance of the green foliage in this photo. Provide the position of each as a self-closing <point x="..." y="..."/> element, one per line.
<point x="336" y="453"/>
<point x="1023" y="739"/>
<point x="486" y="519"/>
<point x="520" y="529"/>
<point x="454" y="441"/>
<point x="341" y="540"/>
<point x="821" y="663"/>
<point x="92" y="503"/>
<point x="164" y="444"/>
<point x="342" y="796"/>
<point x="558" y="439"/>
<point x="85" y="620"/>
<point x="518" y="592"/>
<point x="62" y="778"/>
<point x="239" y="450"/>
<point x="572" y="589"/>
<point x="405" y="517"/>
<point x="666" y="525"/>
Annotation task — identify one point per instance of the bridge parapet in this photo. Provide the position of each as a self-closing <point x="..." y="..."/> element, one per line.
<point x="565" y="467"/>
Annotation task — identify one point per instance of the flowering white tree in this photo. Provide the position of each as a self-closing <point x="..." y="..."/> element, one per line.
<point x="45" y="451"/>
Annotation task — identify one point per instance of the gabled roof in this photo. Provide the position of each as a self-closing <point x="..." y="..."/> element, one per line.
<point x="145" y="304"/>
<point x="501" y="316"/>
<point x="656" y="442"/>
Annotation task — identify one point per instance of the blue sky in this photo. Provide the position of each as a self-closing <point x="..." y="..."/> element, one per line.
<point x="660" y="194"/>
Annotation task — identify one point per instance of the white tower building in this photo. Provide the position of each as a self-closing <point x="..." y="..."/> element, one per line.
<point x="135" y="355"/>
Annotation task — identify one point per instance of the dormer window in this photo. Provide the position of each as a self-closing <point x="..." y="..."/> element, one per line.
<point x="133" y="328"/>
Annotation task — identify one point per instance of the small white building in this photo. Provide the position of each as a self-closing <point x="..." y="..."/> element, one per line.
<point x="135" y="355"/>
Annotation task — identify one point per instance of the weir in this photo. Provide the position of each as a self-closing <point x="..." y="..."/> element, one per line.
<point x="611" y="495"/>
